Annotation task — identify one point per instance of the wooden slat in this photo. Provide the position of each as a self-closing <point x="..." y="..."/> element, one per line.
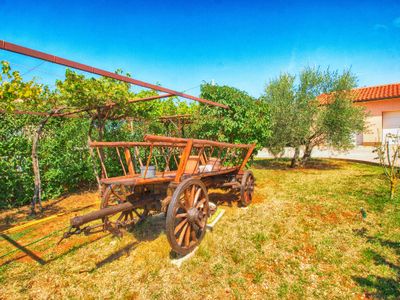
<point x="148" y="161"/>
<point x="246" y="158"/>
<point x="183" y="161"/>
<point x="120" y="160"/>
<point x="103" y="167"/>
<point x="137" y="156"/>
<point x="128" y="158"/>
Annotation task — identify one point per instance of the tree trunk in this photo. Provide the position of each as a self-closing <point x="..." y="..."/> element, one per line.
<point x="392" y="189"/>
<point x="307" y="154"/>
<point x="100" y="130"/>
<point x="295" y="157"/>
<point x="37" y="193"/>
<point x="91" y="152"/>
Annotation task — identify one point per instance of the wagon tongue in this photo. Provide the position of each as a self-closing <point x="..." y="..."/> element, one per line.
<point x="78" y="221"/>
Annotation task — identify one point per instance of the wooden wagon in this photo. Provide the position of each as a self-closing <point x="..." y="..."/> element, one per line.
<point x="170" y="175"/>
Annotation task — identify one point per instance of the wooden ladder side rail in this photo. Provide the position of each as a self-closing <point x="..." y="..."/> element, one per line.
<point x="95" y="144"/>
<point x="196" y="142"/>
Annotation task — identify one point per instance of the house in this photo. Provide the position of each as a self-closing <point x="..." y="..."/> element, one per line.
<point x="382" y="104"/>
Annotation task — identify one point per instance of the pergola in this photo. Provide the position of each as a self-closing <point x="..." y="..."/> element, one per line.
<point x="178" y="121"/>
<point x="79" y="66"/>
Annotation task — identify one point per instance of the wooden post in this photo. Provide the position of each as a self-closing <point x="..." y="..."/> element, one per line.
<point x="183" y="160"/>
<point x="246" y="158"/>
<point x="128" y="158"/>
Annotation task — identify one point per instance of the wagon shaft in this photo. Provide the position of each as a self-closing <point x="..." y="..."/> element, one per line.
<point x="104" y="212"/>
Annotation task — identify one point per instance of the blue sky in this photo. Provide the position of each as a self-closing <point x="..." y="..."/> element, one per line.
<point x="180" y="44"/>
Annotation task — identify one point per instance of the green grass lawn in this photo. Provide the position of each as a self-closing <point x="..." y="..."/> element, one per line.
<point x="303" y="237"/>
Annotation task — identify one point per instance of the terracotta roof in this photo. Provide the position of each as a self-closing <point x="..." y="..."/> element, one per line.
<point x="371" y="93"/>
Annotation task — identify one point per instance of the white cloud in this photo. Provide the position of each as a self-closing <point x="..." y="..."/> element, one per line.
<point x="380" y="27"/>
<point x="396" y="22"/>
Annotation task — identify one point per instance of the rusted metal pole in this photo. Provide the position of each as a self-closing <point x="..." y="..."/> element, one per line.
<point x="69" y="63"/>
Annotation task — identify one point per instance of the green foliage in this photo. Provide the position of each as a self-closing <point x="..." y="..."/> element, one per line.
<point x="298" y="118"/>
<point x="283" y="108"/>
<point x="246" y="121"/>
<point x="64" y="158"/>
<point x="15" y="93"/>
<point x="83" y="92"/>
<point x="15" y="161"/>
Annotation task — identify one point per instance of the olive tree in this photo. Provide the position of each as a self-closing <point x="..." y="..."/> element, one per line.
<point x="316" y="108"/>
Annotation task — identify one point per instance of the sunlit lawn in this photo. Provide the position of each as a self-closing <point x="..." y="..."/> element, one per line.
<point x="304" y="237"/>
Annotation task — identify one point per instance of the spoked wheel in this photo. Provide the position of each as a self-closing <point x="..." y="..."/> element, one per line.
<point x="247" y="188"/>
<point x="117" y="194"/>
<point x="187" y="216"/>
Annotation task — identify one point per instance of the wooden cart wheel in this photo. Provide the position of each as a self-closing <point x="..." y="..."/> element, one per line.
<point x="247" y="188"/>
<point x="187" y="216"/>
<point x="117" y="194"/>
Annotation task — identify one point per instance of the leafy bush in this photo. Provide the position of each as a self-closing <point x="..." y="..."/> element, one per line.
<point x="64" y="159"/>
<point x="246" y="121"/>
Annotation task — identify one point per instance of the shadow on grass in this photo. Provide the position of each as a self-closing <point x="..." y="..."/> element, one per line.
<point x="386" y="288"/>
<point x="228" y="198"/>
<point x="116" y="255"/>
<point x="76" y="247"/>
<point x="378" y="286"/>
<point x="40" y="260"/>
<point x="51" y="209"/>
<point x="284" y="164"/>
<point x="24" y="249"/>
<point x="150" y="228"/>
<point x="146" y="230"/>
<point x="113" y="257"/>
<point x="153" y="226"/>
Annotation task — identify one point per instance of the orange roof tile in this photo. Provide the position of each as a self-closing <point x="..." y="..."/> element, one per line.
<point x="371" y="93"/>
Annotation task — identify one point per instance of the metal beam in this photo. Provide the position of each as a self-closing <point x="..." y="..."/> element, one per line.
<point x="69" y="63"/>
